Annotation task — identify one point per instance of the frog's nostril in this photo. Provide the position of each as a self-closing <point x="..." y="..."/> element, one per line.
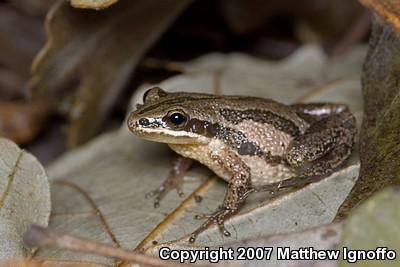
<point x="144" y="122"/>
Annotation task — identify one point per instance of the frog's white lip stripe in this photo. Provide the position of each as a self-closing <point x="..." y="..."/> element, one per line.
<point x="175" y="137"/>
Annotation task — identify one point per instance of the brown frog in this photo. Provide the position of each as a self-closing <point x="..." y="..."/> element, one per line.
<point x="249" y="142"/>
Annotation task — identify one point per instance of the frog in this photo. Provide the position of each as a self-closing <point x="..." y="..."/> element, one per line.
<point x="252" y="143"/>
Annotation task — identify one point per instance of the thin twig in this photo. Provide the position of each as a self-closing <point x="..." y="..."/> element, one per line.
<point x="38" y="236"/>
<point x="97" y="212"/>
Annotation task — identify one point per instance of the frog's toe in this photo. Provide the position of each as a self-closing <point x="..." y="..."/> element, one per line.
<point x="153" y="193"/>
<point x="180" y="192"/>
<point x="221" y="227"/>
<point x="201" y="216"/>
<point x="170" y="184"/>
<point x="158" y="195"/>
<point x="218" y="217"/>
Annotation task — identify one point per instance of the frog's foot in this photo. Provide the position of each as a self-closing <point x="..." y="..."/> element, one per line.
<point x="171" y="183"/>
<point x="174" y="180"/>
<point x="218" y="217"/>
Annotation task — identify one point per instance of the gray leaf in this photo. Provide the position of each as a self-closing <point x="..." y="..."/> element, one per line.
<point x="24" y="198"/>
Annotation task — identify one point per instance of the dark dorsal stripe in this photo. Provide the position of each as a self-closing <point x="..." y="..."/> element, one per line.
<point x="234" y="138"/>
<point x="262" y="116"/>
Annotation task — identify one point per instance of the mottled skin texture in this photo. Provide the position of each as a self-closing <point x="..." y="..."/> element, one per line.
<point x="249" y="142"/>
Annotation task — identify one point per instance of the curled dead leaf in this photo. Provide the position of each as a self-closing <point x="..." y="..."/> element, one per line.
<point x="93" y="4"/>
<point x="90" y="55"/>
<point x="388" y="9"/>
<point x="380" y="131"/>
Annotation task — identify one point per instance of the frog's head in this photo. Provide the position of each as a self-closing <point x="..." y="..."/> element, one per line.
<point x="173" y="118"/>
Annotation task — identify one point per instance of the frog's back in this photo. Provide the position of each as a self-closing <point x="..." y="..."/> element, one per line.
<point x="257" y="130"/>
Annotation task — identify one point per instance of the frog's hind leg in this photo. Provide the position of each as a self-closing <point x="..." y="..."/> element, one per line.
<point x="174" y="180"/>
<point x="316" y="173"/>
<point x="324" y="165"/>
<point x="325" y="145"/>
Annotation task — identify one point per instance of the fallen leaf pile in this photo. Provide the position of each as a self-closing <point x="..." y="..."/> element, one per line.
<point x="98" y="190"/>
<point x="98" y="53"/>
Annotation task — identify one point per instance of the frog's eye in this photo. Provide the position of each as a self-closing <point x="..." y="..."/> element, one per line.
<point x="153" y="94"/>
<point x="177" y="118"/>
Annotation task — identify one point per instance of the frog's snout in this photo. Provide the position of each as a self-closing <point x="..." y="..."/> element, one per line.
<point x="139" y="123"/>
<point x="133" y="122"/>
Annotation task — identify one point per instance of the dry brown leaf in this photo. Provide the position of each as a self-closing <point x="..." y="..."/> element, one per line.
<point x="21" y="122"/>
<point x="99" y="190"/>
<point x="379" y="137"/>
<point x="388" y="9"/>
<point x="93" y="4"/>
<point x="11" y="84"/>
<point x="322" y="19"/>
<point x="90" y="55"/>
<point x="33" y="7"/>
<point x="20" y="39"/>
<point x="24" y="199"/>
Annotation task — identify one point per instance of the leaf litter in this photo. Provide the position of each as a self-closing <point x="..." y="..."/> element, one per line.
<point x="89" y="57"/>
<point x="117" y="169"/>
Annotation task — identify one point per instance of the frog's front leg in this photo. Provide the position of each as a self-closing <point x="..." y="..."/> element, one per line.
<point x="324" y="146"/>
<point x="174" y="180"/>
<point x="237" y="190"/>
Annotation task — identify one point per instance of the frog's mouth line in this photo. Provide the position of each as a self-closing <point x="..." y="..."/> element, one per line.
<point x="169" y="136"/>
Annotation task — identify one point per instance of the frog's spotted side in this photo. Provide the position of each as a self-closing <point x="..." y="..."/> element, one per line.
<point x="249" y="142"/>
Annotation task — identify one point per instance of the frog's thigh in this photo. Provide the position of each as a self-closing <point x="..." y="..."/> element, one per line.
<point x="327" y="163"/>
<point x="320" y="139"/>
